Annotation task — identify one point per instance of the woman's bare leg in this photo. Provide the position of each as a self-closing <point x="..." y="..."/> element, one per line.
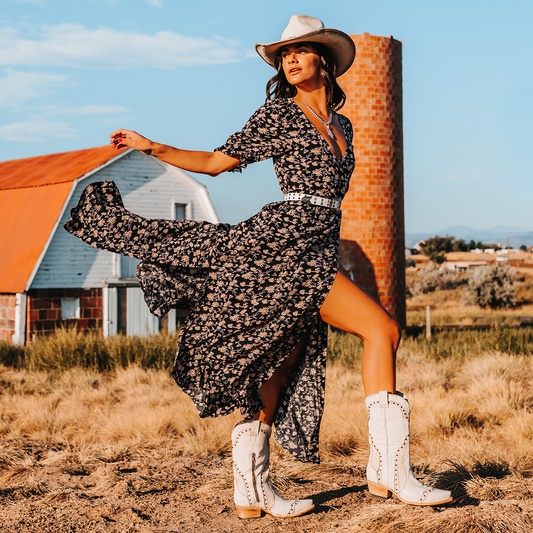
<point x="351" y="309"/>
<point x="269" y="392"/>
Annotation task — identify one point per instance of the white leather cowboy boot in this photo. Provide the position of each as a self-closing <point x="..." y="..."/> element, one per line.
<point x="389" y="465"/>
<point x="253" y="491"/>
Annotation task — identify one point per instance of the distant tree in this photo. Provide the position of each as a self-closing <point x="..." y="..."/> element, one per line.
<point x="437" y="247"/>
<point x="479" y="245"/>
<point x="491" y="286"/>
<point x="471" y="245"/>
<point x="523" y="247"/>
<point x="459" y="246"/>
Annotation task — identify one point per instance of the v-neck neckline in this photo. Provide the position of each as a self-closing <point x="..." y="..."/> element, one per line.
<point x="324" y="140"/>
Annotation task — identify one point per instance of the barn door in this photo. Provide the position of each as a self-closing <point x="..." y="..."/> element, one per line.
<point x="126" y="312"/>
<point x="139" y="320"/>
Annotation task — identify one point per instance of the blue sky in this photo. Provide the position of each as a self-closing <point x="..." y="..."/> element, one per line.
<point x="186" y="74"/>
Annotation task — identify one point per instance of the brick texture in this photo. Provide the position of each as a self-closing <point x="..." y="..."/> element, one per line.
<point x="7" y="316"/>
<point x="373" y="232"/>
<point x="44" y="311"/>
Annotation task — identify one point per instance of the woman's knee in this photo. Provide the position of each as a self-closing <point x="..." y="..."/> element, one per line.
<point x="393" y="331"/>
<point x="385" y="330"/>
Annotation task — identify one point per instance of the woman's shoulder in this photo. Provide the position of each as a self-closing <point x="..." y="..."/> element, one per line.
<point x="276" y="110"/>
<point x="277" y="106"/>
<point x="346" y="124"/>
<point x="344" y="120"/>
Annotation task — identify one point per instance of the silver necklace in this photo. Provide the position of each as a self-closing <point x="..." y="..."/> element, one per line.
<point x="328" y="129"/>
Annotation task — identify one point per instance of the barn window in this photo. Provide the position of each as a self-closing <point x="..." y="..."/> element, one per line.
<point x="70" y="308"/>
<point x="128" y="267"/>
<point x="180" y="211"/>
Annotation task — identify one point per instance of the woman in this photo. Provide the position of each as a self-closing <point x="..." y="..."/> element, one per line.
<point x="262" y="292"/>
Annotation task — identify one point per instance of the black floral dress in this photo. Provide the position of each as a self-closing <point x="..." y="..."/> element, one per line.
<point x="255" y="288"/>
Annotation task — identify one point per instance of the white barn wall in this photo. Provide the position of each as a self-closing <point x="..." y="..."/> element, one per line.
<point x="148" y="188"/>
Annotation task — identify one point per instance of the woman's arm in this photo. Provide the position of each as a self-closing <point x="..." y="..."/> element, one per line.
<point x="211" y="163"/>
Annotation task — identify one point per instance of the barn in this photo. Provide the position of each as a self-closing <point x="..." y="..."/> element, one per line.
<point x="49" y="278"/>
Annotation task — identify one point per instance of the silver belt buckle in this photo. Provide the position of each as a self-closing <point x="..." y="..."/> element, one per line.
<point x="307" y="198"/>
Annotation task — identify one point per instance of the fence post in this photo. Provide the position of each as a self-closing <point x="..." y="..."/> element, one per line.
<point x="428" y="322"/>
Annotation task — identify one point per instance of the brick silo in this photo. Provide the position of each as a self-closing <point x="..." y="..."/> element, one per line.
<point x="373" y="232"/>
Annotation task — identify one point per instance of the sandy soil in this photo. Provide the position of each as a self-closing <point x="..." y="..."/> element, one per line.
<point x="185" y="494"/>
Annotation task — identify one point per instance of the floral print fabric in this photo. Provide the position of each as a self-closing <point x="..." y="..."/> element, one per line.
<point x="254" y="288"/>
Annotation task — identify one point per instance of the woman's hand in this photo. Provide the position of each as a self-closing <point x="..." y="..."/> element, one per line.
<point x="131" y="139"/>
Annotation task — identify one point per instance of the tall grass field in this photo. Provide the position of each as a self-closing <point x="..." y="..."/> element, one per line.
<point x="471" y="394"/>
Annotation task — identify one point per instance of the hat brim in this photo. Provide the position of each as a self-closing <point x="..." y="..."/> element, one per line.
<point x="339" y="43"/>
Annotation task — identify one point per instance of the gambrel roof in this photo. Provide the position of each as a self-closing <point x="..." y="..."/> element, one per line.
<point x="34" y="193"/>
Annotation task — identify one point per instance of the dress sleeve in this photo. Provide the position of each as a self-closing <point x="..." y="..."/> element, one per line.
<point x="268" y="133"/>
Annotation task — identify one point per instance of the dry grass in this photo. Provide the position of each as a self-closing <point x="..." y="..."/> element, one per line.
<point x="470" y="403"/>
<point x="447" y="308"/>
<point x="471" y="394"/>
<point x="131" y="407"/>
<point x="392" y="518"/>
<point x="69" y="349"/>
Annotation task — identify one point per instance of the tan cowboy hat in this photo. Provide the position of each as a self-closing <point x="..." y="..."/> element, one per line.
<point x="312" y="30"/>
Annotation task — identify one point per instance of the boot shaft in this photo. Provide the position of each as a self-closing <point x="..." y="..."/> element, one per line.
<point x="251" y="459"/>
<point x="389" y="465"/>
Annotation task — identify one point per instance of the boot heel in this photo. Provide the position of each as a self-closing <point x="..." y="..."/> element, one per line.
<point x="378" y="490"/>
<point x="248" y="512"/>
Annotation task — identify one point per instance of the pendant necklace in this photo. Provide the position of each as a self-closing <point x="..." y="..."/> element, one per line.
<point x="328" y="129"/>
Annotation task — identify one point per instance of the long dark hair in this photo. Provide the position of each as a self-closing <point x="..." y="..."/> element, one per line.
<point x="279" y="87"/>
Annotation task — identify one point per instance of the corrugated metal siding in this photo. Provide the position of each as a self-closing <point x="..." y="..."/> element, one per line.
<point x="148" y="189"/>
<point x="27" y="218"/>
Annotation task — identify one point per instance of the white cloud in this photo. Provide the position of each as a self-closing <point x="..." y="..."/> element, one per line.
<point x="36" y="131"/>
<point x="17" y="87"/>
<point x="83" y="110"/>
<point x="72" y="45"/>
<point x="154" y="3"/>
<point x="35" y="2"/>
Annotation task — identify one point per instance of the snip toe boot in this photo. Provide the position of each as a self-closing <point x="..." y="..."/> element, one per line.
<point x="253" y="491"/>
<point x="389" y="467"/>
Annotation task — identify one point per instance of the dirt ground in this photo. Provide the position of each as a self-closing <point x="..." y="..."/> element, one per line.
<point x="47" y="487"/>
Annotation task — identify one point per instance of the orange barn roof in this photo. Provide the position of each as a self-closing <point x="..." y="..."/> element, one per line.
<point x="33" y="193"/>
<point x="53" y="168"/>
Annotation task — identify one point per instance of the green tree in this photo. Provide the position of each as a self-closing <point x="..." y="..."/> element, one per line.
<point x="459" y="245"/>
<point x="523" y="248"/>
<point x="437" y="247"/>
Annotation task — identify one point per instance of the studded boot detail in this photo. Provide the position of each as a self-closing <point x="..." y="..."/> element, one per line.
<point x="389" y="467"/>
<point x="253" y="491"/>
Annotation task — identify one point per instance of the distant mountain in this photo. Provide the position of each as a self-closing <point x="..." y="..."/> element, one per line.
<point x="499" y="234"/>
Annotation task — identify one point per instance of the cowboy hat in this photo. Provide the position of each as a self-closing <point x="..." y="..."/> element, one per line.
<point x="310" y="29"/>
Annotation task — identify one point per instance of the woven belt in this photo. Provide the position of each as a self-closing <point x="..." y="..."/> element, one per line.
<point x="315" y="200"/>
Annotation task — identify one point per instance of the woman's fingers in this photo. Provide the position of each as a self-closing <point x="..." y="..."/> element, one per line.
<point x="118" y="139"/>
<point x="119" y="142"/>
<point x="120" y="133"/>
<point x="130" y="139"/>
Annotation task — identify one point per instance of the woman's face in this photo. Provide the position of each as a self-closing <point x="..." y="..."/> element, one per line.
<point x="301" y="63"/>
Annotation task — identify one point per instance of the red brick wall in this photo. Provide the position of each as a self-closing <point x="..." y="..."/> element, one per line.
<point x="44" y="310"/>
<point x="7" y="316"/>
<point x="372" y="231"/>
